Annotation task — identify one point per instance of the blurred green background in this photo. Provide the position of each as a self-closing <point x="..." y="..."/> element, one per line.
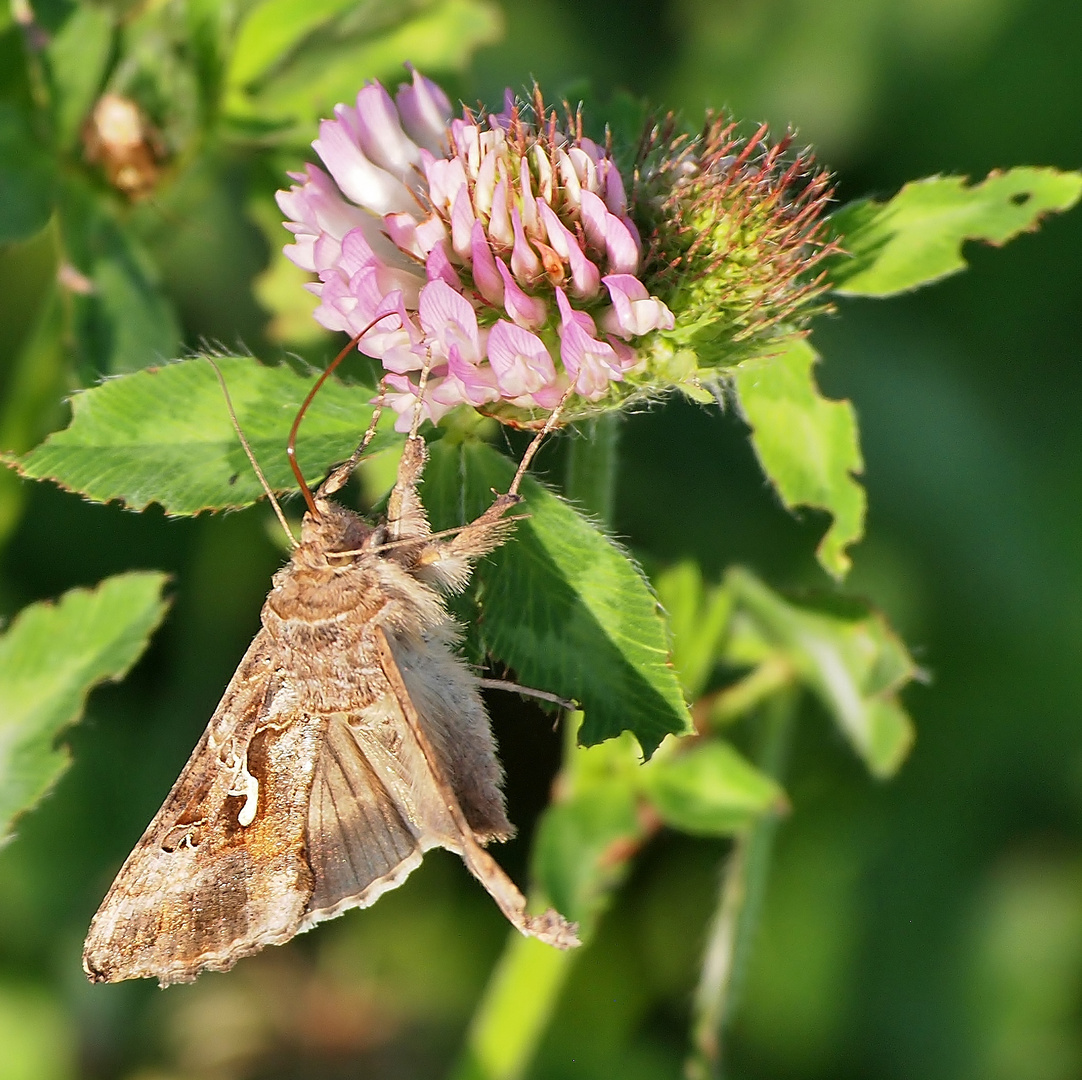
<point x="927" y="927"/>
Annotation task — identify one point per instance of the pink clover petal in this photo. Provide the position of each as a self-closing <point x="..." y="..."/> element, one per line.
<point x="569" y="181"/>
<point x="593" y="364"/>
<point x="425" y="112"/>
<point x="378" y="129"/>
<point x="634" y="310"/>
<point x="366" y="184"/>
<point x="525" y="264"/>
<point x="445" y="178"/>
<point x="626" y="356"/>
<point x="485" y="275"/>
<point x="585" y="169"/>
<point x="543" y="167"/>
<point x="519" y="359"/>
<point x="485" y="185"/>
<point x="327" y="252"/>
<point x="585" y="276"/>
<point x="499" y="221"/>
<point x="407" y="400"/>
<point x="548" y="397"/>
<point x="438" y="267"/>
<point x="609" y="234"/>
<point x="401" y="229"/>
<point x="568" y="314"/>
<point x="613" y="186"/>
<point x="316" y="205"/>
<point x="302" y="253"/>
<point x="477" y="383"/>
<point x="528" y="202"/>
<point x="356" y="252"/>
<point x="462" y="220"/>
<point x="528" y="311"/>
<point x="467" y="141"/>
<point x="449" y="322"/>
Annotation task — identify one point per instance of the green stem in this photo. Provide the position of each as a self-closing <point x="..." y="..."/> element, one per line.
<point x="740" y="901"/>
<point x="525" y="986"/>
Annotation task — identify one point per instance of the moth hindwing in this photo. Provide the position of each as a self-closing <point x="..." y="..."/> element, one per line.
<point x="350" y="740"/>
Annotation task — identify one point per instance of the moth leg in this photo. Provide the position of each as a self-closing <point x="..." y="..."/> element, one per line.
<point x="550" y="926"/>
<point x="406" y="517"/>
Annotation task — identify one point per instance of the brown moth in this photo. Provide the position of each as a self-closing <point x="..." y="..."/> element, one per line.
<point x="350" y="740"/>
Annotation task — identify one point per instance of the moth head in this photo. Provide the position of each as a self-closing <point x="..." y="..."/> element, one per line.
<point x="333" y="528"/>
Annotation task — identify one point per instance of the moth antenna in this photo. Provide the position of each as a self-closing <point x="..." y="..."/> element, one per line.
<point x="291" y="447"/>
<point x="338" y="478"/>
<point x="251" y="456"/>
<point x="535" y="444"/>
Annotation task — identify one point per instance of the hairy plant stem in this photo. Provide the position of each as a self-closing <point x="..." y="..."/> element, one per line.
<point x="736" y="917"/>
<point x="525" y="985"/>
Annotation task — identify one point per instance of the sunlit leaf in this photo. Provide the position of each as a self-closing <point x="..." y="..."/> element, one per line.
<point x="561" y="604"/>
<point x="847" y="655"/>
<point x="51" y="657"/>
<point x="808" y="445"/>
<point x="164" y="435"/>
<point x="917" y="236"/>
<point x="709" y="790"/>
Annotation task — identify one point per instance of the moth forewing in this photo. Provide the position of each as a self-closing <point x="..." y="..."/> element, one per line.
<point x="351" y="740"/>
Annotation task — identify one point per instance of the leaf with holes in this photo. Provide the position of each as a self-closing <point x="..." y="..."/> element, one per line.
<point x="808" y="445"/>
<point x="917" y="236"/>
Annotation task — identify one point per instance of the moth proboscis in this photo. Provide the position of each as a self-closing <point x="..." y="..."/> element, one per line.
<point x="350" y="740"/>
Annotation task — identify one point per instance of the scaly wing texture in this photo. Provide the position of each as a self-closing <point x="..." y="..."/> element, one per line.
<point x="432" y="789"/>
<point x="359" y="846"/>
<point x="221" y="870"/>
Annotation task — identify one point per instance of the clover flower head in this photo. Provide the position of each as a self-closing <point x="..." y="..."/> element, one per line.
<point x="499" y="260"/>
<point x="496" y="251"/>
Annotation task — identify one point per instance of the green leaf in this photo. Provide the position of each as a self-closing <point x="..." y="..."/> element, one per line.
<point x="332" y="66"/>
<point x="561" y="604"/>
<point x="27" y="178"/>
<point x="848" y="656"/>
<point x="209" y="33"/>
<point x="29" y="408"/>
<point x="164" y="435"/>
<point x="123" y="320"/>
<point x="709" y="790"/>
<point x="576" y="854"/>
<point x="586" y="835"/>
<point x="273" y="29"/>
<point x="697" y="620"/>
<point x="51" y="657"/>
<point x="808" y="445"/>
<point x="917" y="236"/>
<point x="78" y="57"/>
